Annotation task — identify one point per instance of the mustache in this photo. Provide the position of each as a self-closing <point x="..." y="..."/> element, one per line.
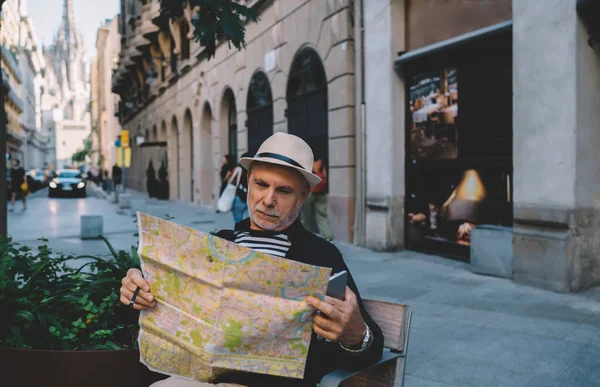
<point x="267" y="211"/>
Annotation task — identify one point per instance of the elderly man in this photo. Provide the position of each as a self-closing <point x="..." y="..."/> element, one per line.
<point x="279" y="180"/>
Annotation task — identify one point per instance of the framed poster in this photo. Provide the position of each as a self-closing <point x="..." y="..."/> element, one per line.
<point x="433" y="105"/>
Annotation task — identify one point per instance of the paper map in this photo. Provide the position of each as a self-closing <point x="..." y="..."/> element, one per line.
<point x="222" y="307"/>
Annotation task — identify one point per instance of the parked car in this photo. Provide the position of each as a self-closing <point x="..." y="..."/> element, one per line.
<point x="68" y="182"/>
<point x="40" y="179"/>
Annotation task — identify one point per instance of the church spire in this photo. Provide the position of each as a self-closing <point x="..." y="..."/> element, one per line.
<point x="68" y="21"/>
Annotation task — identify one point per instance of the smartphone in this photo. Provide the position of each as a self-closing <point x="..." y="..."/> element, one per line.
<point x="337" y="285"/>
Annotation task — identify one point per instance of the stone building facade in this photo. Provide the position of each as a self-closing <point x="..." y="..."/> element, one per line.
<point x="296" y="75"/>
<point x="103" y="101"/>
<point x="13" y="79"/>
<point x="486" y="127"/>
<point x="37" y="145"/>
<point x="65" y="103"/>
<point x="447" y="126"/>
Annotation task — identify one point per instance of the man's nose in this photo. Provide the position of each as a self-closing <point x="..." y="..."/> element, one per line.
<point x="269" y="200"/>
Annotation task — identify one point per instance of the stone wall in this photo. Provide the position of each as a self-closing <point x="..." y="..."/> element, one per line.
<point x="284" y="28"/>
<point x="385" y="112"/>
<point x="431" y="21"/>
<point x="556" y="181"/>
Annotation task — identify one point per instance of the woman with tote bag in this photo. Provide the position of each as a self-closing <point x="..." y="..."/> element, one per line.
<point x="235" y="194"/>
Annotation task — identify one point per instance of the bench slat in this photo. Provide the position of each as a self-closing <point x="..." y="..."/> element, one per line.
<point x="391" y="318"/>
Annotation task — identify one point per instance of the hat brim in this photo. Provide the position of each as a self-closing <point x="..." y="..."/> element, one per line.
<point x="311" y="178"/>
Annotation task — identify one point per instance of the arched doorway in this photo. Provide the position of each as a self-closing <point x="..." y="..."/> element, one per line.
<point x="207" y="175"/>
<point x="174" y="160"/>
<point x="154" y="133"/>
<point x="163" y="131"/>
<point x="306" y="95"/>
<point x="229" y="123"/>
<point x="187" y="159"/>
<point x="259" y="107"/>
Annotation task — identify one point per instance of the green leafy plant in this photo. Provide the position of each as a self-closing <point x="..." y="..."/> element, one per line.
<point x="213" y="21"/>
<point x="53" y="301"/>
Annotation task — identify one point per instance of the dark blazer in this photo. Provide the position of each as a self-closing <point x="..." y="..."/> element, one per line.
<point x="323" y="356"/>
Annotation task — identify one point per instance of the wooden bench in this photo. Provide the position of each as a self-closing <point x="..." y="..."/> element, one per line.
<point x="394" y="321"/>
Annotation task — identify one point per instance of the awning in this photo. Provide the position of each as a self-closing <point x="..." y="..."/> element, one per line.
<point x="454" y="42"/>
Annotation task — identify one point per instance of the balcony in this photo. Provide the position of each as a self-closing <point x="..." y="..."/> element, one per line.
<point x="16" y="101"/>
<point x="11" y="60"/>
<point x="155" y="12"/>
<point x="139" y="41"/>
<point x="147" y="28"/>
<point x="131" y="52"/>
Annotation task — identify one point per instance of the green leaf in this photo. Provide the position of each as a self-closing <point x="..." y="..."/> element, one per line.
<point x="135" y="257"/>
<point x="52" y="329"/>
<point x="26" y="315"/>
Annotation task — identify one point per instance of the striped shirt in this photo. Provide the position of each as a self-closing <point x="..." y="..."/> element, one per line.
<point x="274" y="244"/>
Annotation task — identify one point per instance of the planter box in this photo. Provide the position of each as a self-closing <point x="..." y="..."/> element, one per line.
<point x="492" y="250"/>
<point x="49" y="368"/>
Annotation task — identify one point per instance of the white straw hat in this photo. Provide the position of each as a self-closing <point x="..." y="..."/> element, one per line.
<point x="286" y="150"/>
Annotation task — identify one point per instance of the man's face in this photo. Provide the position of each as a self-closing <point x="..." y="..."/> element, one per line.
<point x="15" y="163"/>
<point x="275" y="196"/>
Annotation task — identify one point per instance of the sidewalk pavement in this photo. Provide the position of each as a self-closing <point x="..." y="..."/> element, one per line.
<point x="468" y="329"/>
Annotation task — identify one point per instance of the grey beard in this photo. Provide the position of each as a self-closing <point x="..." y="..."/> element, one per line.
<point x="283" y="222"/>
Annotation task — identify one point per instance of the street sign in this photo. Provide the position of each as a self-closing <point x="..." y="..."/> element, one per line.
<point x="127" y="157"/>
<point x="125" y="137"/>
<point x="124" y="152"/>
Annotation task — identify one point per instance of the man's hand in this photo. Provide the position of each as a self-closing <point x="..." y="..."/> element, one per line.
<point x="339" y="321"/>
<point x="132" y="280"/>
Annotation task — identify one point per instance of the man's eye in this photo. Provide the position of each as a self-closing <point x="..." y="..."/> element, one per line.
<point x="262" y="184"/>
<point x="285" y="191"/>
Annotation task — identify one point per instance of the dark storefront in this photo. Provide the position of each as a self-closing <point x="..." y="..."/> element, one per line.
<point x="458" y="139"/>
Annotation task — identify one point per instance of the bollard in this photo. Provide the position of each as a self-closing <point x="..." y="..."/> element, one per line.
<point x="91" y="226"/>
<point x="124" y="200"/>
<point x="138" y="205"/>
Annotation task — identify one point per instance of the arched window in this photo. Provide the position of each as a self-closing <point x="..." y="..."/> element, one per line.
<point x="307" y="74"/>
<point x="259" y="107"/>
<point x="306" y="94"/>
<point x="231" y="124"/>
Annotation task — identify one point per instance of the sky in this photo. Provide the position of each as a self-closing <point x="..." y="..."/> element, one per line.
<point x="89" y="15"/>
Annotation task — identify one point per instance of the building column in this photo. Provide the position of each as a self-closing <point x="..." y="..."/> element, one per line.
<point x="556" y="175"/>
<point x="385" y="110"/>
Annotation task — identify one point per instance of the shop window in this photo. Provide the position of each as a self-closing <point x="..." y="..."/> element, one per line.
<point x="458" y="145"/>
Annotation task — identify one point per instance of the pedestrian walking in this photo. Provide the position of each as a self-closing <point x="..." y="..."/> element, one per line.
<point x="18" y="184"/>
<point x="227" y="167"/>
<point x="240" y="205"/>
<point x="151" y="182"/>
<point x="163" y="182"/>
<point x="117" y="174"/>
<point x="314" y="209"/>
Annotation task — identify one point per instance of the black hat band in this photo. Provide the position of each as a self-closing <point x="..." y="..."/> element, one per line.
<point x="279" y="157"/>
